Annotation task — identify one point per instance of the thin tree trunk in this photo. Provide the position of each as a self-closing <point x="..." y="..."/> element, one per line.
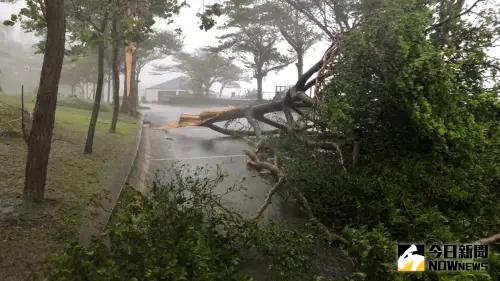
<point x="97" y="100"/>
<point x="115" y="65"/>
<point x="125" y="98"/>
<point x="134" y="95"/>
<point x="259" y="87"/>
<point x="40" y="139"/>
<point x="108" y="100"/>
<point x="221" y="91"/>
<point x="207" y="90"/>
<point x="300" y="63"/>
<point x="135" y="89"/>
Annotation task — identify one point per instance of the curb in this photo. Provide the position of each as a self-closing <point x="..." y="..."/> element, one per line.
<point x="98" y="222"/>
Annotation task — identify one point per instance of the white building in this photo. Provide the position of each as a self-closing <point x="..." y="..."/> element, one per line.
<point x="231" y="91"/>
<point x="164" y="91"/>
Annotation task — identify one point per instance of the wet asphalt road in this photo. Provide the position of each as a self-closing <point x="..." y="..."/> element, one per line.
<point x="202" y="147"/>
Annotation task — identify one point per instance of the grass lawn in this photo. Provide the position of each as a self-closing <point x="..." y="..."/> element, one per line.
<point x="76" y="183"/>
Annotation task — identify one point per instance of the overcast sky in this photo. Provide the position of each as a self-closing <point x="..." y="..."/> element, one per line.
<point x="195" y="38"/>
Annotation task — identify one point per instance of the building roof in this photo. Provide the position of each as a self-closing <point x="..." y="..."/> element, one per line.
<point x="233" y="85"/>
<point x="180" y="83"/>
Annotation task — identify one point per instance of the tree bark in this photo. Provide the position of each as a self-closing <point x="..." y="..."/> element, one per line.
<point x="125" y="97"/>
<point x="223" y="86"/>
<point x="115" y="65"/>
<point x="129" y="103"/>
<point x="40" y="139"/>
<point x="108" y="100"/>
<point x="300" y="63"/>
<point x="97" y="99"/>
<point x="134" y="95"/>
<point x="260" y="95"/>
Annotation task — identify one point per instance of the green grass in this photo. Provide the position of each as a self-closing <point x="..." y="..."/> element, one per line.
<point x="75" y="182"/>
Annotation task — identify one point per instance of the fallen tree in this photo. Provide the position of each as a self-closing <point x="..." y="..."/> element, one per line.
<point x="295" y="102"/>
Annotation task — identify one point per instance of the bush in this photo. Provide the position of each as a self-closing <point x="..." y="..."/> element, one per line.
<point x="182" y="232"/>
<point x="411" y="197"/>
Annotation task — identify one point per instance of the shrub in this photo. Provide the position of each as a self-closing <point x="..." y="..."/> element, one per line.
<point x="182" y="232"/>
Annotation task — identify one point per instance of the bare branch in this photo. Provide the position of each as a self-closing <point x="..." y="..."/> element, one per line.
<point x="269" y="197"/>
<point x="439" y="24"/>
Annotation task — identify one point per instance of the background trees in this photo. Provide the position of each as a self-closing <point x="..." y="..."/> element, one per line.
<point x="89" y="22"/>
<point x="204" y="69"/>
<point x="253" y="41"/>
<point x="294" y="28"/>
<point x="330" y="16"/>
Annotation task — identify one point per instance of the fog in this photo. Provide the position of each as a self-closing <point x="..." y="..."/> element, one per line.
<point x="19" y="64"/>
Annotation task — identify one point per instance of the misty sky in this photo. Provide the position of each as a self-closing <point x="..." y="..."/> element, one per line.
<point x="194" y="38"/>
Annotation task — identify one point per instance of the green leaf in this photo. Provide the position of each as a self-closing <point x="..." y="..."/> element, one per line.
<point x="9" y="23"/>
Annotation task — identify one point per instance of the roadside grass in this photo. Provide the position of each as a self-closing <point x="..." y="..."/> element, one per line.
<point x="75" y="185"/>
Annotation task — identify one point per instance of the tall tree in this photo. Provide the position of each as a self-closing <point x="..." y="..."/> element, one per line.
<point x="141" y="17"/>
<point x="48" y="16"/>
<point x="115" y="70"/>
<point x="231" y="73"/>
<point x="79" y="73"/>
<point x="89" y="23"/>
<point x="158" y="46"/>
<point x="253" y="40"/>
<point x="330" y="16"/>
<point x="294" y="28"/>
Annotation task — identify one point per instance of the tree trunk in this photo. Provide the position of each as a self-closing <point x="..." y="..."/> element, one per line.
<point x="300" y="63"/>
<point x="221" y="91"/>
<point x="97" y="99"/>
<point x="130" y="107"/>
<point x="108" y="100"/>
<point x="40" y="139"/>
<point x="125" y="106"/>
<point x="115" y="65"/>
<point x="259" y="87"/>
<point x="136" y="89"/>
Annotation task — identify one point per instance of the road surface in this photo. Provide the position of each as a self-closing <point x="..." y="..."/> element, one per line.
<point x="202" y="147"/>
